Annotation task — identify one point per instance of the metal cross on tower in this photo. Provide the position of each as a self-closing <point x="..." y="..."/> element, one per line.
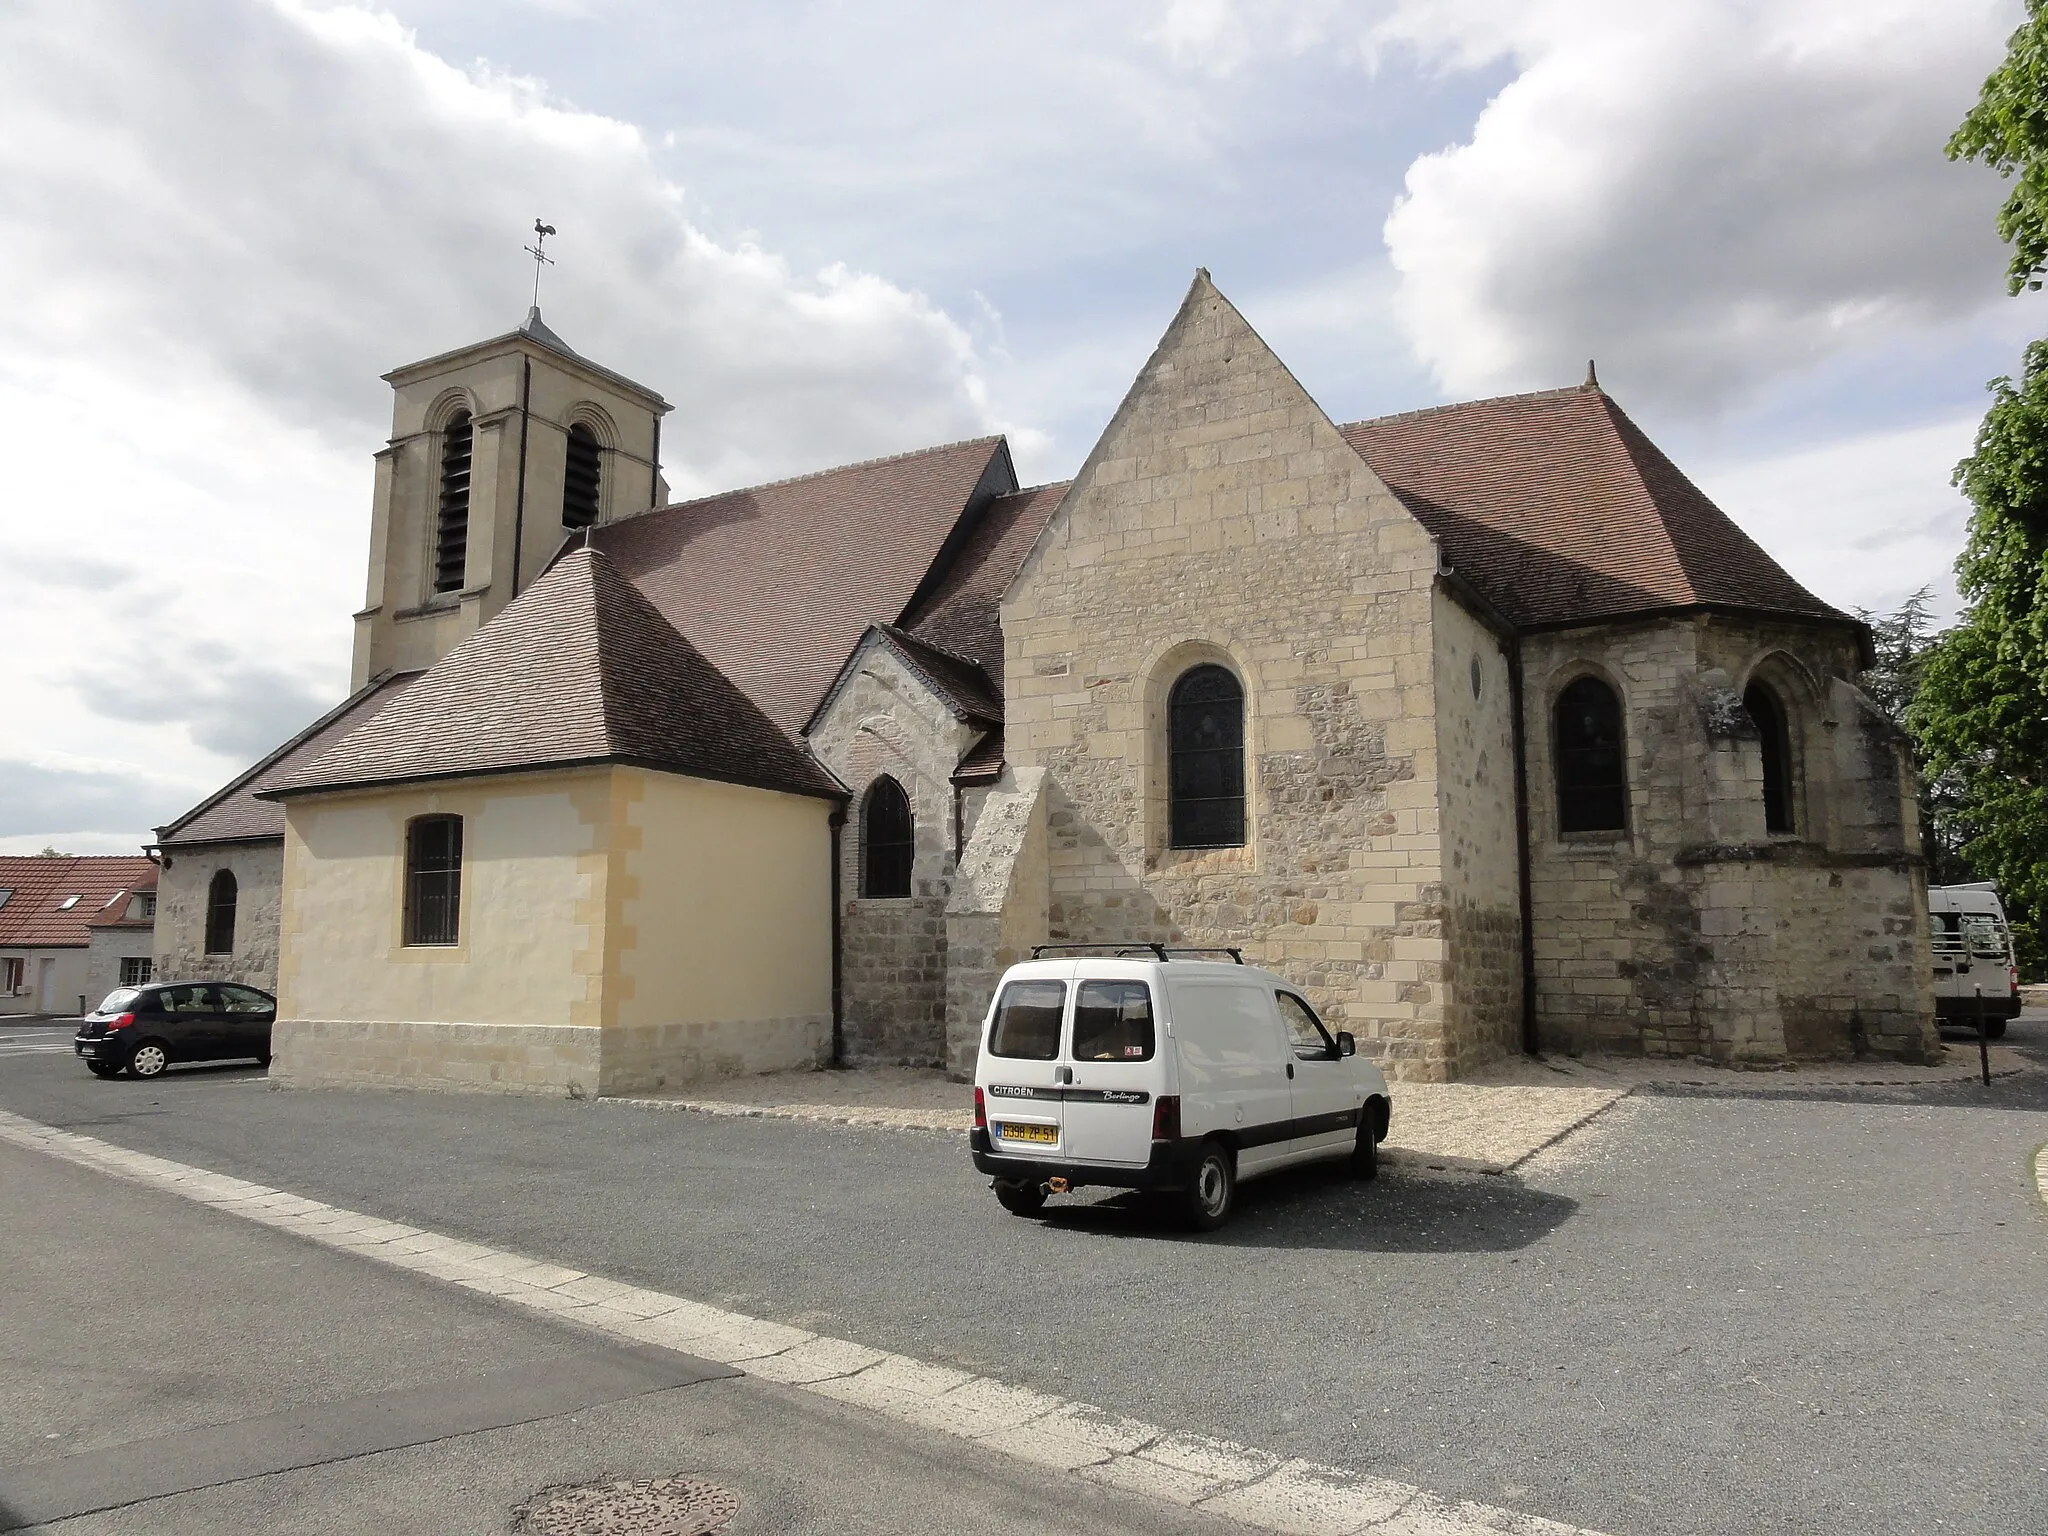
<point x="540" y="256"/>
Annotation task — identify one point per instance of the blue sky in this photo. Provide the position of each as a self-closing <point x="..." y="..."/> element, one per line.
<point x="829" y="230"/>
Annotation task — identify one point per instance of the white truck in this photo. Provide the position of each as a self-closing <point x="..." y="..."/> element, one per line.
<point x="1973" y="954"/>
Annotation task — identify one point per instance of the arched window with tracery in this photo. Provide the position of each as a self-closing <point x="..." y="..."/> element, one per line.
<point x="1205" y="759"/>
<point x="221" y="897"/>
<point x="1592" y="761"/>
<point x="1775" y="737"/>
<point x="581" y="473"/>
<point x="451" y="538"/>
<point x="888" y="840"/>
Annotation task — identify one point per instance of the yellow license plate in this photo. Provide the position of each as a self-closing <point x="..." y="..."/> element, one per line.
<point x="1048" y="1134"/>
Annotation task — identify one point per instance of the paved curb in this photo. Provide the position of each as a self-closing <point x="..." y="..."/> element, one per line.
<point x="1256" y="1488"/>
<point x="2041" y="1172"/>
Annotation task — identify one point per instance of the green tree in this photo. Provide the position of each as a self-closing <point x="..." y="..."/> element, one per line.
<point x="1901" y="642"/>
<point x="2008" y="130"/>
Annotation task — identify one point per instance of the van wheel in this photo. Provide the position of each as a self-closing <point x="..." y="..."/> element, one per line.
<point x="1212" y="1191"/>
<point x="1365" y="1156"/>
<point x="1994" y="1029"/>
<point x="1021" y="1199"/>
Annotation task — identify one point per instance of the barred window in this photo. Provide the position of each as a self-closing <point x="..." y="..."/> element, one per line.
<point x="580" y="477"/>
<point x="433" y="880"/>
<point x="1205" y="751"/>
<point x="888" y="840"/>
<point x="220" y="913"/>
<point x="1592" y="768"/>
<point x="1776" y="742"/>
<point x="134" y="970"/>
<point x="451" y="546"/>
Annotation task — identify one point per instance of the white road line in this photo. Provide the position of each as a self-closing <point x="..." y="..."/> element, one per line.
<point x="1254" y="1487"/>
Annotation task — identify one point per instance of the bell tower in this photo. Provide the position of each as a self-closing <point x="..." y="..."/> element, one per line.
<point x="498" y="452"/>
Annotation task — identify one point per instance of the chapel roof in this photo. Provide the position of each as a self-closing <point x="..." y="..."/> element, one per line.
<point x="1559" y="510"/>
<point x="581" y="668"/>
<point x="959" y="613"/>
<point x="776" y="584"/>
<point x="34" y="914"/>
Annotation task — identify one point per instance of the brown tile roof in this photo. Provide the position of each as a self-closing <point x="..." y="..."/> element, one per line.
<point x="34" y="914"/>
<point x="775" y="585"/>
<point x="983" y="763"/>
<point x="234" y="814"/>
<point x="959" y="613"/>
<point x="961" y="683"/>
<point x="113" y="912"/>
<point x="580" y="669"/>
<point x="1559" y="510"/>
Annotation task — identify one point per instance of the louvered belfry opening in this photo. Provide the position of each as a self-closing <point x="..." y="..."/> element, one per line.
<point x="451" y="545"/>
<point x="580" y="478"/>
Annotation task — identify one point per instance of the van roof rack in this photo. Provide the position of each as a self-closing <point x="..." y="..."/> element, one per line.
<point x="1127" y="947"/>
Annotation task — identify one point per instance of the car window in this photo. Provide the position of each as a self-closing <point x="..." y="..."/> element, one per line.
<point x="179" y="1000"/>
<point x="1027" y="1024"/>
<point x="1304" y="1030"/>
<point x="1113" y="1021"/>
<point x="119" y="1000"/>
<point x="244" y="1000"/>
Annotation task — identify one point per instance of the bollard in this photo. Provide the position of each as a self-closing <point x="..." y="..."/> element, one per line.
<point x="1983" y="1040"/>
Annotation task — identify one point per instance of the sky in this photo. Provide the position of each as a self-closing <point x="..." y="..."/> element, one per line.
<point x="827" y="230"/>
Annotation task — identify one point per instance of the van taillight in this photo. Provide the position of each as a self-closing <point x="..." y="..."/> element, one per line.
<point x="980" y="1111"/>
<point x="1166" y="1117"/>
<point x="2013" y="974"/>
<point x="120" y="1022"/>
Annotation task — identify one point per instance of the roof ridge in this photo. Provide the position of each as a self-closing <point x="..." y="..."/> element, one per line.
<point x="833" y="469"/>
<point x="898" y="632"/>
<point x="1459" y="405"/>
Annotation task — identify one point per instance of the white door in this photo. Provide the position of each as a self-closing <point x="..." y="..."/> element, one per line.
<point x="1233" y="1067"/>
<point x="1020" y="1074"/>
<point x="1115" y="1071"/>
<point x="46" y="986"/>
<point x="1325" y="1088"/>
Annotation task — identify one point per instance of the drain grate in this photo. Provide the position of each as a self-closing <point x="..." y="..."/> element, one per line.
<point x="656" y="1506"/>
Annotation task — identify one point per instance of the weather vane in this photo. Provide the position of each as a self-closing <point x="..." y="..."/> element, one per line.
<point x="540" y="256"/>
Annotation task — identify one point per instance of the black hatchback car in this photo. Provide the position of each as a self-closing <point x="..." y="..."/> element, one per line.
<point x="142" y="1030"/>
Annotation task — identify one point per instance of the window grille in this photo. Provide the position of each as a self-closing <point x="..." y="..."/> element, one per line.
<point x="451" y="549"/>
<point x="134" y="970"/>
<point x="1776" y="742"/>
<point x="1205" y="778"/>
<point x="580" y="477"/>
<point x="220" y="913"/>
<point x="888" y="840"/>
<point x="433" y="880"/>
<point x="1592" y="770"/>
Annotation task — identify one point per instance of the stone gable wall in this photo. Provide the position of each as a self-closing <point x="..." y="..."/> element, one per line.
<point x="179" y="945"/>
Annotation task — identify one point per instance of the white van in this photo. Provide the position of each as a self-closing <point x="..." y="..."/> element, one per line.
<point x="1972" y="953"/>
<point x="1145" y="1069"/>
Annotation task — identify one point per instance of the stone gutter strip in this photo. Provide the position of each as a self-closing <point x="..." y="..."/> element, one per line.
<point x="1255" y="1488"/>
<point x="2041" y="1172"/>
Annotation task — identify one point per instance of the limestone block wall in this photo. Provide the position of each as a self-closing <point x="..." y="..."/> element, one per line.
<point x="999" y="907"/>
<point x="105" y="949"/>
<point x="1222" y="518"/>
<point x="178" y="949"/>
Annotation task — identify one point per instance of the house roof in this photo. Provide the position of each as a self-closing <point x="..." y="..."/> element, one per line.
<point x="1559" y="510"/>
<point x="983" y="763"/>
<point x="234" y="814"/>
<point x="958" y="683"/>
<point x="34" y="914"/>
<point x="580" y="669"/>
<point x="113" y="912"/>
<point x="959" y="614"/>
<point x="776" y="584"/>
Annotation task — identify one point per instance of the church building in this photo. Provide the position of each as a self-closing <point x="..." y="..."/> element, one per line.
<point x="1481" y="723"/>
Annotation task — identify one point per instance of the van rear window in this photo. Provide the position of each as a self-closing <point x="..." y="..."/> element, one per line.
<point x="1027" y="1024"/>
<point x="1113" y="1021"/>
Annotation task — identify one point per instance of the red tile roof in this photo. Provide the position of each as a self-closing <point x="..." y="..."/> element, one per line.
<point x="580" y="669"/>
<point x="776" y="584"/>
<point x="959" y="613"/>
<point x="113" y="912"/>
<point x="234" y="814"/>
<point x="1559" y="510"/>
<point x="34" y="915"/>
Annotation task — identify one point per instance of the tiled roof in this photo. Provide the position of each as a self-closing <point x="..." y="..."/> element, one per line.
<point x="959" y="614"/>
<point x="113" y="912"/>
<point x="34" y="914"/>
<point x="234" y="814"/>
<point x="580" y="669"/>
<point x="983" y="763"/>
<point x="960" y="682"/>
<point x="775" y="585"/>
<point x="1559" y="510"/>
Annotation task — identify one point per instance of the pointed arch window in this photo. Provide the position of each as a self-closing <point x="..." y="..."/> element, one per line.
<point x="221" y="897"/>
<point x="433" y="880"/>
<point x="1776" y="740"/>
<point x="580" y="477"/>
<point x="1592" y="763"/>
<point x="451" y="540"/>
<point x="1205" y="759"/>
<point x="888" y="840"/>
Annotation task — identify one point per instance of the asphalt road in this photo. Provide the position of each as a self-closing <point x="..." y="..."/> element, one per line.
<point x="1724" y="1314"/>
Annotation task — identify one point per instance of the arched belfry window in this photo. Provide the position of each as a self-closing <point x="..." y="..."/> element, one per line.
<point x="220" y="913"/>
<point x="433" y="880"/>
<point x="1592" y="765"/>
<point x="451" y="540"/>
<point x="1205" y="753"/>
<point x="888" y="840"/>
<point x="1776" y="741"/>
<point x="580" y="474"/>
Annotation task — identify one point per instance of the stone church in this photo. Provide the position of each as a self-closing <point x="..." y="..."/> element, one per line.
<point x="1481" y="723"/>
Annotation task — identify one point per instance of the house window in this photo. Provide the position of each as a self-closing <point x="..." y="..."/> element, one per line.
<point x="1592" y="770"/>
<point x="580" y="478"/>
<point x="11" y="976"/>
<point x="433" y="880"/>
<point x="134" y="970"/>
<point x="149" y="907"/>
<point x="888" y="840"/>
<point x="1776" y="742"/>
<point x="5" y="892"/>
<point x="1205" y="751"/>
<point x="451" y="547"/>
<point x="220" y="913"/>
<point x="68" y="903"/>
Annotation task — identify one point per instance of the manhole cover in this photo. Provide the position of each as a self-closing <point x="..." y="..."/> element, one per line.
<point x="656" y="1506"/>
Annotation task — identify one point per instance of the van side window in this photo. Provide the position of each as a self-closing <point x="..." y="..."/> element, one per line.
<point x="1027" y="1024"/>
<point x="1113" y="1021"/>
<point x="1304" y="1030"/>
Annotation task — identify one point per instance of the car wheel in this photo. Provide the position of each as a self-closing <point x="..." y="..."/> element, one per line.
<point x="149" y="1059"/>
<point x="1365" y="1156"/>
<point x="1212" y="1190"/>
<point x="1994" y="1029"/>
<point x="102" y="1069"/>
<point x="1021" y="1199"/>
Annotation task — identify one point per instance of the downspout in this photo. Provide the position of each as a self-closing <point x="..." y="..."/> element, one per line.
<point x="654" y="470"/>
<point x="519" y="502"/>
<point x="838" y="821"/>
<point x="1530" y="1042"/>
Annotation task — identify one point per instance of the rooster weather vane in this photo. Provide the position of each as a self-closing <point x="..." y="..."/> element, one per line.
<point x="540" y="256"/>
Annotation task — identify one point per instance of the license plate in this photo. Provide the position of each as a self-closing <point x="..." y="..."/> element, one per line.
<point x="1049" y="1134"/>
